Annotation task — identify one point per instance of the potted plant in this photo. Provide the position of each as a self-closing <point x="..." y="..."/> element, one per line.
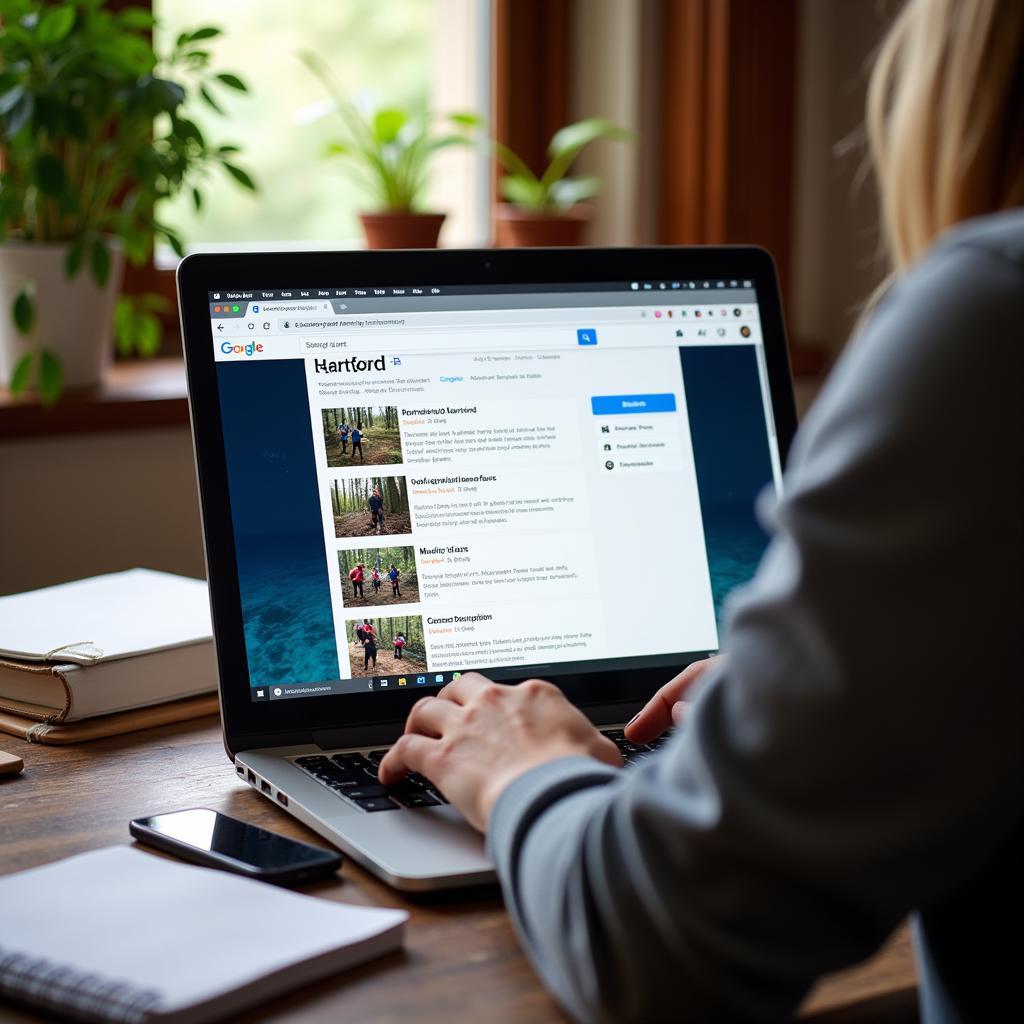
<point x="550" y="209"/>
<point x="388" y="152"/>
<point x="94" y="135"/>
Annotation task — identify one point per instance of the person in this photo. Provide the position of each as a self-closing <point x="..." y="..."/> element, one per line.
<point x="376" y="507"/>
<point x="360" y="634"/>
<point x="357" y="443"/>
<point x="357" y="576"/>
<point x="368" y="628"/>
<point x="399" y="644"/>
<point x="343" y="437"/>
<point x="375" y="580"/>
<point x="369" y="650"/>
<point x="857" y="755"/>
<point x="393" y="575"/>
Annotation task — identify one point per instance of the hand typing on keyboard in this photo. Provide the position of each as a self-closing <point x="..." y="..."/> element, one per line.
<point x="475" y="737"/>
<point x="667" y="708"/>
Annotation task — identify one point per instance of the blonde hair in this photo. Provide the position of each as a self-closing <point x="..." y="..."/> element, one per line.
<point x="945" y="119"/>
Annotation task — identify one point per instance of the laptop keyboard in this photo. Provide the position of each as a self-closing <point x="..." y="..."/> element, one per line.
<point x="354" y="775"/>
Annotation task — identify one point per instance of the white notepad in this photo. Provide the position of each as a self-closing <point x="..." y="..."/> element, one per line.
<point x="113" y="616"/>
<point x="127" y="935"/>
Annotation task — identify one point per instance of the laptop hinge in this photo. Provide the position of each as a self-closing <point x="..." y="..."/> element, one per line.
<point x="376" y="734"/>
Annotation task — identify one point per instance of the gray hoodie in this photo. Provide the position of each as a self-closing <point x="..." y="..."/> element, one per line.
<point x="860" y="755"/>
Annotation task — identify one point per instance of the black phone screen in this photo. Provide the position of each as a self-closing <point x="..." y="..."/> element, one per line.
<point x="206" y="830"/>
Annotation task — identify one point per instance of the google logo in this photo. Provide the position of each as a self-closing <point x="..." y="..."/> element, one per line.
<point x="253" y="347"/>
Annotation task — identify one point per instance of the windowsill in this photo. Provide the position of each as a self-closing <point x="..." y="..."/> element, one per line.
<point x="137" y="396"/>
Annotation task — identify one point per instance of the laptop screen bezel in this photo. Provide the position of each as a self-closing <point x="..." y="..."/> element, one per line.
<point x="247" y="723"/>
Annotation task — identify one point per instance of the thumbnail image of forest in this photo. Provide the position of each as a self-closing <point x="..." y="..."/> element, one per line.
<point x="368" y="506"/>
<point x="387" y="647"/>
<point x="362" y="435"/>
<point x="376" y="576"/>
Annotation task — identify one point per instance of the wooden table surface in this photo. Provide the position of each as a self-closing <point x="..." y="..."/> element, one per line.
<point x="460" y="962"/>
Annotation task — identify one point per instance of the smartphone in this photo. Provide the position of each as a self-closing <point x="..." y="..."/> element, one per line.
<point x="206" y="837"/>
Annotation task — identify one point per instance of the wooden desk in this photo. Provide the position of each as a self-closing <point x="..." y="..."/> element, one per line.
<point x="461" y="961"/>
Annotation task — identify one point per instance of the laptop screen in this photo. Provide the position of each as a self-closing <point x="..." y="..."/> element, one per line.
<point x="519" y="480"/>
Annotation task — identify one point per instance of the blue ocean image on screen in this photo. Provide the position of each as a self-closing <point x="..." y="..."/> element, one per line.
<point x="733" y="462"/>
<point x="287" y="637"/>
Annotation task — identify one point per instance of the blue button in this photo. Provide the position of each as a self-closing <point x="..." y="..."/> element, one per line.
<point x="586" y="336"/>
<point x="621" y="405"/>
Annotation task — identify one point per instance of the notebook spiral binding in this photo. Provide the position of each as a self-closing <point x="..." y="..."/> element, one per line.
<point x="87" y="997"/>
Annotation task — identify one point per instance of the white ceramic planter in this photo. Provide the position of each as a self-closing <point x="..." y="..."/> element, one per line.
<point x="74" y="318"/>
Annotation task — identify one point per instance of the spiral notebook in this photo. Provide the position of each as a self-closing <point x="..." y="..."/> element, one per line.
<point x="126" y="936"/>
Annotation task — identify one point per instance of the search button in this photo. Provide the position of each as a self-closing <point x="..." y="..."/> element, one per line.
<point x="586" y="336"/>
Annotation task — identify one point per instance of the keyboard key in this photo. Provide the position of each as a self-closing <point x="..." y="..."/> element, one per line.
<point x="310" y="761"/>
<point x="365" y="792"/>
<point x="352" y="761"/>
<point x="378" y="803"/>
<point x="419" y="799"/>
<point x="376" y="756"/>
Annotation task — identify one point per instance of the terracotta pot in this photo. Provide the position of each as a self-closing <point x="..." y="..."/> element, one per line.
<point x="402" y="230"/>
<point x="516" y="228"/>
<point x="74" y="318"/>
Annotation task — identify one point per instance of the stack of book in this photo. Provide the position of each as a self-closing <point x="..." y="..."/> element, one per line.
<point x="105" y="655"/>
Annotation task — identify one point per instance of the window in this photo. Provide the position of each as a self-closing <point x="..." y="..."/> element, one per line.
<point x="418" y="53"/>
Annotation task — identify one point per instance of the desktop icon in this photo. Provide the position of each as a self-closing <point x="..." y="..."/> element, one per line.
<point x="277" y="691"/>
<point x="421" y="680"/>
<point x="383" y="682"/>
<point x="255" y="309"/>
<point x="455" y="675"/>
<point x="259" y="693"/>
<point x="633" y="284"/>
<point x="401" y="680"/>
<point x="439" y="678"/>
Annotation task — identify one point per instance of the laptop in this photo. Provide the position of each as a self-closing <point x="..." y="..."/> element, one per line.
<point x="413" y="465"/>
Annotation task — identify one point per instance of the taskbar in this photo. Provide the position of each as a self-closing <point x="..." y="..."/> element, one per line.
<point x="418" y="677"/>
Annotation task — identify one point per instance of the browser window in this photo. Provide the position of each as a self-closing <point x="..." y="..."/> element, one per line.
<point x="517" y="480"/>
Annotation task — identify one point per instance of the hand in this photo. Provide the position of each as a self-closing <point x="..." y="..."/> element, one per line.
<point x="666" y="708"/>
<point x="475" y="737"/>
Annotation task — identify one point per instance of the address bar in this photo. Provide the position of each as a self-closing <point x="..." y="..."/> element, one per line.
<point x="455" y="321"/>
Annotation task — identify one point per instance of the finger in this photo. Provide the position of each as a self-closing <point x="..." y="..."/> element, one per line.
<point x="609" y="753"/>
<point x="409" y="754"/>
<point x="429" y="716"/>
<point x="656" y="715"/>
<point x="460" y="690"/>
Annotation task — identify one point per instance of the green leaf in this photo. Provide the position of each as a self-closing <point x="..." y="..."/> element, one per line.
<point x="209" y="100"/>
<point x="573" y="137"/>
<point x="22" y="371"/>
<point x="197" y="199"/>
<point x="137" y="18"/>
<point x="49" y="173"/>
<point x="511" y="161"/>
<point x="54" y="25"/>
<point x="240" y="176"/>
<point x="569" y="191"/>
<point x="74" y="258"/>
<point x="147" y="338"/>
<point x="232" y="81"/>
<point x="99" y="261"/>
<point x="209" y="32"/>
<point x="51" y="377"/>
<point x="387" y="124"/>
<point x="19" y="115"/>
<point x="467" y="119"/>
<point x="525" y="192"/>
<point x="337" y="149"/>
<point x="10" y="99"/>
<point x="23" y="311"/>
